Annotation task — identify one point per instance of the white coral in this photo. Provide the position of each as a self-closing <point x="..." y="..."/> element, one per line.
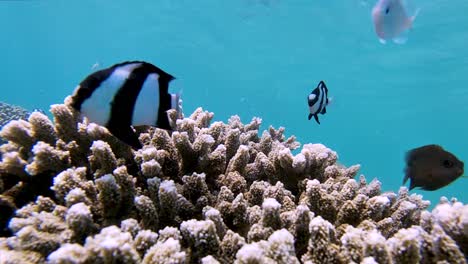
<point x="79" y="217"/>
<point x="281" y="247"/>
<point x="69" y="253"/>
<point x="252" y="253"/>
<point x="270" y="204"/>
<point x="111" y="244"/>
<point x="168" y="251"/>
<point x="168" y="187"/>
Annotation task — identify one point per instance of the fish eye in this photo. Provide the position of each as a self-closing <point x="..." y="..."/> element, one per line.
<point x="447" y="164"/>
<point x="387" y="10"/>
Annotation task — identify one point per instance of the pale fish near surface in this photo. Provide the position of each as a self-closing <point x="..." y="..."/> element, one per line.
<point x="392" y="20"/>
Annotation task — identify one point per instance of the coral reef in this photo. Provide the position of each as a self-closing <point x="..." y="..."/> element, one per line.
<point x="207" y="192"/>
<point x="10" y="112"/>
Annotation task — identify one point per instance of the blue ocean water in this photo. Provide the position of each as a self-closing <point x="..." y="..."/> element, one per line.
<point x="262" y="58"/>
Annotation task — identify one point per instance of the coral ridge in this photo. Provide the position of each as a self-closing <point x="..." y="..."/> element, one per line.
<point x="207" y="192"/>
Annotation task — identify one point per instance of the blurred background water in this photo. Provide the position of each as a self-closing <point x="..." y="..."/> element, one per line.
<point x="262" y="58"/>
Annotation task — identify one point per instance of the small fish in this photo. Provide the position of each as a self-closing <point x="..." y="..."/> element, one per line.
<point x="391" y="20"/>
<point x="131" y="93"/>
<point x="318" y="101"/>
<point x="430" y="167"/>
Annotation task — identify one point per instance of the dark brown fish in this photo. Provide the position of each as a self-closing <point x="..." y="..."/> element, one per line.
<point x="430" y="167"/>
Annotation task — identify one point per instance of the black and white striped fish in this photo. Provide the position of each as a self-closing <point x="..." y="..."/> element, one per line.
<point x="318" y="101"/>
<point x="127" y="94"/>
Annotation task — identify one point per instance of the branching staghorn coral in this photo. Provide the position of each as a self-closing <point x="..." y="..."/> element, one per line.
<point x="205" y="193"/>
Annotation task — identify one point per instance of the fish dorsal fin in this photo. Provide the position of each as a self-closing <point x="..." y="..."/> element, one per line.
<point x="147" y="67"/>
<point x="322" y="84"/>
<point x="164" y="77"/>
<point x="417" y="153"/>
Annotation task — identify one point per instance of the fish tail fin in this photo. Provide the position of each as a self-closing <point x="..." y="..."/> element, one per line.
<point x="416" y="13"/>
<point x="329" y="100"/>
<point x="410" y="21"/>
<point x="180" y="102"/>
<point x="176" y="101"/>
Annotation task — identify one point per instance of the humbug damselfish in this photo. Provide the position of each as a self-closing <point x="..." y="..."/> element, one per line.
<point x="131" y="93"/>
<point x="318" y="101"/>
